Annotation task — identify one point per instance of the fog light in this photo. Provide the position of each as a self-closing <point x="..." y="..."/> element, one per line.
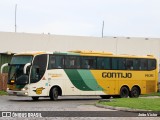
<point x="26" y="93"/>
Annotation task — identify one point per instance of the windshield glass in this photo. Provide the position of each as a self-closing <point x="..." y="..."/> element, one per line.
<point x="16" y="69"/>
<point x="21" y="59"/>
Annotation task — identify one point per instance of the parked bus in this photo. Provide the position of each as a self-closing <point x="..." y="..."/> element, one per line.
<point x="40" y="74"/>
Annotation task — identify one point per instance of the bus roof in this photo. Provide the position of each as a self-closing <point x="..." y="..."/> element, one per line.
<point x="85" y="53"/>
<point x="34" y="53"/>
<point x="98" y="53"/>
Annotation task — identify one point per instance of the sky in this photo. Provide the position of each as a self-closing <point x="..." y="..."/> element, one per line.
<point x="125" y="18"/>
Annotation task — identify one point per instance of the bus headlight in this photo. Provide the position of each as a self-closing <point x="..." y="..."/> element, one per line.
<point x="25" y="88"/>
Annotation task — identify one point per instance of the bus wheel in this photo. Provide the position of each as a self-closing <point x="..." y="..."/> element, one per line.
<point x="124" y="92"/>
<point x="134" y="92"/>
<point x="54" y="94"/>
<point x="105" y="96"/>
<point x="35" y="98"/>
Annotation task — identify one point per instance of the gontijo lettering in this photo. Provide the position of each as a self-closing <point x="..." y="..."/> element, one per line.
<point x="116" y="75"/>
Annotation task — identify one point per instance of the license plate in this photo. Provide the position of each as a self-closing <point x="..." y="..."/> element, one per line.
<point x="12" y="87"/>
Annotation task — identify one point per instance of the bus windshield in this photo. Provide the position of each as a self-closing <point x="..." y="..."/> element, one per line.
<point x="16" y="69"/>
<point x="21" y="59"/>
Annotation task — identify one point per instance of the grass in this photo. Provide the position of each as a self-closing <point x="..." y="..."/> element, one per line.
<point x="3" y="92"/>
<point x="151" y="94"/>
<point x="135" y="103"/>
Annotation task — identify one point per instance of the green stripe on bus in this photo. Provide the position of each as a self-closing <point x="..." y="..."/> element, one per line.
<point x="77" y="80"/>
<point x="89" y="80"/>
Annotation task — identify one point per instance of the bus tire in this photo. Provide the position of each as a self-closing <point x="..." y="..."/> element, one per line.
<point x="124" y="92"/>
<point x="54" y="94"/>
<point x="135" y="92"/>
<point x="35" y="98"/>
<point x="105" y="96"/>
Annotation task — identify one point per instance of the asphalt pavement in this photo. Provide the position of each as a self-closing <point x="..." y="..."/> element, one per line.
<point x="67" y="107"/>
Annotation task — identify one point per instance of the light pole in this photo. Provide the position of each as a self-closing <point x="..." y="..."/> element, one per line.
<point x="102" y="28"/>
<point x="15" y="18"/>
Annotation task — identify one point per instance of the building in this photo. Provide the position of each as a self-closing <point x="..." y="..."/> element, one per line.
<point x="21" y="42"/>
<point x="5" y="58"/>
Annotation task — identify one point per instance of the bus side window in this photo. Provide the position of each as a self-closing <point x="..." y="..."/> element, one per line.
<point x="67" y="61"/>
<point x="114" y="63"/>
<point x="121" y="64"/>
<point x="136" y="64"/>
<point x="144" y="64"/>
<point x="52" y="62"/>
<point x="72" y="62"/>
<point x="56" y="62"/>
<point x="88" y="63"/>
<point x="103" y="63"/>
<point x="100" y="63"/>
<point x="151" y="64"/>
<point x="60" y="62"/>
<point x="129" y="64"/>
<point x="38" y="68"/>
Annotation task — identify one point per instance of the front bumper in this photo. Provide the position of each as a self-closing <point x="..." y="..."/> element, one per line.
<point x="18" y="93"/>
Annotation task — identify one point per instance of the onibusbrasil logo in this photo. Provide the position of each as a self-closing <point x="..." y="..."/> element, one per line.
<point x="22" y="114"/>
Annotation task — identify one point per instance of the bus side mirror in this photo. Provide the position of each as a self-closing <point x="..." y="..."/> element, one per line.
<point x="25" y="68"/>
<point x="4" y="65"/>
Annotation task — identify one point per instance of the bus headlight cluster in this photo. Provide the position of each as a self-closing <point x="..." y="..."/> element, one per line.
<point x="25" y="88"/>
